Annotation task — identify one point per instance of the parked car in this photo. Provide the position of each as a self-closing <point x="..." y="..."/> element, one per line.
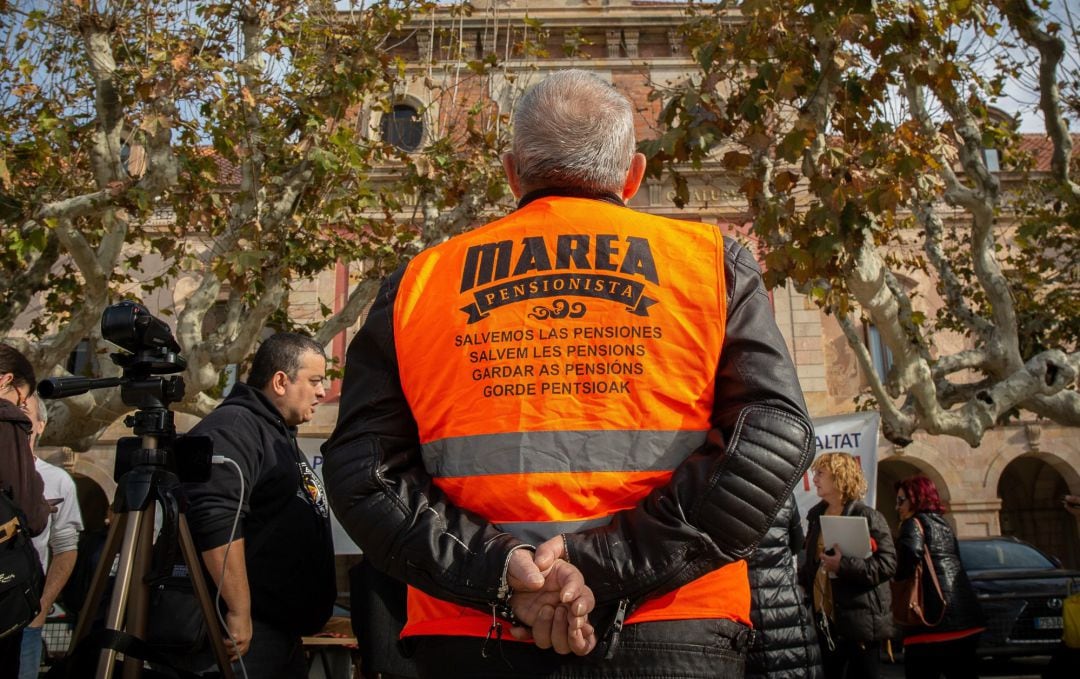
<point x="1021" y="590"/>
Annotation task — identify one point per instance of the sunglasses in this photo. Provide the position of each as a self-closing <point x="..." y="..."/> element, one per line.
<point x="900" y="500"/>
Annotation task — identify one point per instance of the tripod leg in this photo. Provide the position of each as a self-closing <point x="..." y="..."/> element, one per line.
<point x="121" y="590"/>
<point x="139" y="591"/>
<point x="194" y="564"/>
<point x="101" y="578"/>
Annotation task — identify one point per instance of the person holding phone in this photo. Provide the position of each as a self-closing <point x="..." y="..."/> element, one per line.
<point x="850" y="594"/>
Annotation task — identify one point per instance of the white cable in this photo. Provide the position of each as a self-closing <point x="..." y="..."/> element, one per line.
<point x="221" y="459"/>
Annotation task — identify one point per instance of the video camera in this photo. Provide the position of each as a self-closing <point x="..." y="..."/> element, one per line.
<point x="150" y="351"/>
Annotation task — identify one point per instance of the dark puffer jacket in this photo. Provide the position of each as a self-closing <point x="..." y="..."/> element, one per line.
<point x="786" y="645"/>
<point x="862" y="601"/>
<point x="962" y="610"/>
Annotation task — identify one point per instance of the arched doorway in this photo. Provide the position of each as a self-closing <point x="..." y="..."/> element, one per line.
<point x="93" y="502"/>
<point x="1030" y="490"/>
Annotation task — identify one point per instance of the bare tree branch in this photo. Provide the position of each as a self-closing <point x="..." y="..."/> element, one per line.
<point x="95" y="30"/>
<point x="955" y="191"/>
<point x="1051" y="50"/>
<point x="358" y="300"/>
<point x="971" y="359"/>
<point x="20" y="289"/>
<point x="951" y="394"/>
<point x="1003" y="341"/>
<point x="900" y="421"/>
<point x="818" y="107"/>
<point x="953" y="289"/>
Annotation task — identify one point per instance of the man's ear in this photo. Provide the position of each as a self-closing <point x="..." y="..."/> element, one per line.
<point x="634" y="176"/>
<point x="509" y="164"/>
<point x="279" y="382"/>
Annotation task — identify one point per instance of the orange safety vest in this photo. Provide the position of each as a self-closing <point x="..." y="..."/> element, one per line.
<point x="560" y="364"/>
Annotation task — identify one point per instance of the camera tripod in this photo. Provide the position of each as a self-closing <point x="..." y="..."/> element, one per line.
<point x="149" y="468"/>
<point x="131" y="536"/>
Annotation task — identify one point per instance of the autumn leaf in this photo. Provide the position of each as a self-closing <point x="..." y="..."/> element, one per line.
<point x="735" y="160"/>
<point x="785" y="180"/>
<point x="152" y="123"/>
<point x="790" y="81"/>
<point x="757" y="140"/>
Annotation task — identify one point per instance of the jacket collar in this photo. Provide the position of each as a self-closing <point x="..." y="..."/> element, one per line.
<point x="570" y="192"/>
<point x="849" y="508"/>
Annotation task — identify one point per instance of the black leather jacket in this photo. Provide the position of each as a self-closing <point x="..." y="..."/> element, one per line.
<point x="962" y="610"/>
<point x="718" y="504"/>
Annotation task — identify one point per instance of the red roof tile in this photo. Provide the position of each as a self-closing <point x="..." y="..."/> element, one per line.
<point x="1041" y="149"/>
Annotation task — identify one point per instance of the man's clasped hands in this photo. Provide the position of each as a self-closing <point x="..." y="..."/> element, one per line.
<point x="551" y="598"/>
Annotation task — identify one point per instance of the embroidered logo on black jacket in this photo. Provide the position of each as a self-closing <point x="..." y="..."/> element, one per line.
<point x="311" y="489"/>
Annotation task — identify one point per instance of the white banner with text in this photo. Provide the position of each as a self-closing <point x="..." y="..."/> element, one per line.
<point x="855" y="434"/>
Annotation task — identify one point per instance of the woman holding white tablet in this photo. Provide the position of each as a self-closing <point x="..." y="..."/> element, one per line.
<point x="850" y="594"/>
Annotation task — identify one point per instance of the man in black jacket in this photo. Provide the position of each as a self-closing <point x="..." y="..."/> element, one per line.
<point x="486" y="412"/>
<point x="276" y="573"/>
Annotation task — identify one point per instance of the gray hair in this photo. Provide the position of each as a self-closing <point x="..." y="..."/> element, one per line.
<point x="573" y="130"/>
<point x="43" y="413"/>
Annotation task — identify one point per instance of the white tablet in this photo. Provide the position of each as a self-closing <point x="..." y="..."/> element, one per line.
<point x="852" y="533"/>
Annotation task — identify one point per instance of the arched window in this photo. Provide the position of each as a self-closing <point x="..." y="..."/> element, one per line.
<point x="403" y="127"/>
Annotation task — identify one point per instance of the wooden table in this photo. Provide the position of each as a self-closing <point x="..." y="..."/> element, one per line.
<point x="334" y="649"/>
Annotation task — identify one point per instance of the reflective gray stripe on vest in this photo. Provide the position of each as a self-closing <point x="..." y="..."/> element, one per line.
<point x="535" y="532"/>
<point x="560" y="451"/>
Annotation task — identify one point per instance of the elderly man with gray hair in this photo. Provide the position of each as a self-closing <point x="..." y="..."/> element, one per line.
<point x="565" y="430"/>
<point x="57" y="545"/>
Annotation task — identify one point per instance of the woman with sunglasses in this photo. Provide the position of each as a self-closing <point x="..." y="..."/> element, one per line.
<point x="948" y="647"/>
<point x="17" y="474"/>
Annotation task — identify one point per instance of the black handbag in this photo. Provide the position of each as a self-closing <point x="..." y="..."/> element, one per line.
<point x="175" y="624"/>
<point x="21" y="578"/>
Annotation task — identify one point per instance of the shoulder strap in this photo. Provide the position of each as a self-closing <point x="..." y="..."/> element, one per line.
<point x="929" y="568"/>
<point x="12" y="517"/>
